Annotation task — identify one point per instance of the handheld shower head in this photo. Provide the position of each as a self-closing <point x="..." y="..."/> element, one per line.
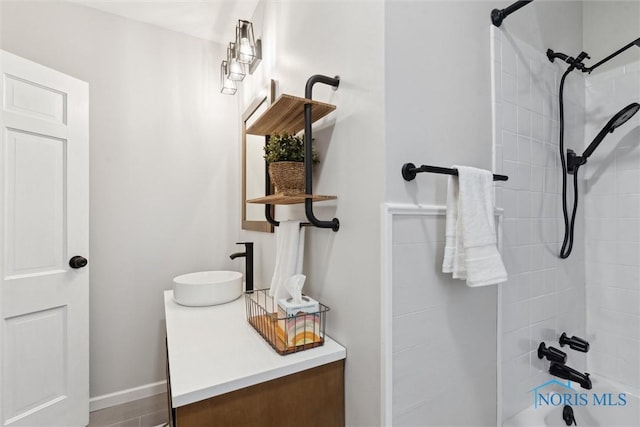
<point x="621" y="117"/>
<point x="618" y="120"/>
<point x="572" y="162"/>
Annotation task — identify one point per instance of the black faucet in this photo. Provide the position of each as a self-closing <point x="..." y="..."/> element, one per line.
<point x="248" y="257"/>
<point x="563" y="371"/>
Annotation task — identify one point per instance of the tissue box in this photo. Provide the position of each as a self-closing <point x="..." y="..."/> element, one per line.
<point x="299" y="324"/>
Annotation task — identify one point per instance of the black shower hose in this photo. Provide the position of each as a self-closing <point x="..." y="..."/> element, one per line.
<point x="567" y="243"/>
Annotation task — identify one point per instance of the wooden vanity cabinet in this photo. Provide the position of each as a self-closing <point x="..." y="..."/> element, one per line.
<point x="311" y="398"/>
<point x="222" y="373"/>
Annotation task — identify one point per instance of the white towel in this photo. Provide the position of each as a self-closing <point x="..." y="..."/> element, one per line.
<point x="471" y="252"/>
<point x="289" y="256"/>
<point x="451" y="225"/>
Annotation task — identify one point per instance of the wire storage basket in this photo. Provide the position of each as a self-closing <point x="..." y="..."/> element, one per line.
<point x="285" y="333"/>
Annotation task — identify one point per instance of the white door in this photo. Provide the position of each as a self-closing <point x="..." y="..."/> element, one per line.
<point x="44" y="222"/>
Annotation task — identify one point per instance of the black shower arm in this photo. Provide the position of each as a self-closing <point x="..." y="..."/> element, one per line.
<point x="636" y="42"/>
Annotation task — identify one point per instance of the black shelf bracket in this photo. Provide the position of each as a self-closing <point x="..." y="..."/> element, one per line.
<point x="334" y="224"/>
<point x="409" y="172"/>
<point x="268" y="208"/>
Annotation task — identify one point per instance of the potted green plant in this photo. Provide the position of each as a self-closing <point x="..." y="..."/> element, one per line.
<point x="284" y="154"/>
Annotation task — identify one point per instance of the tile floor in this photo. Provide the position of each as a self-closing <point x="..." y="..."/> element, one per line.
<point x="149" y="412"/>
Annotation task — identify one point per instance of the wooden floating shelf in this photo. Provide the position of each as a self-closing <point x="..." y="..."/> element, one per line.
<point x="286" y="114"/>
<point x="289" y="199"/>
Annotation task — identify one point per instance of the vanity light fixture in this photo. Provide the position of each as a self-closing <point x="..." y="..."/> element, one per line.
<point x="248" y="50"/>
<point x="242" y="54"/>
<point x="235" y="68"/>
<point x="227" y="86"/>
<point x="245" y="42"/>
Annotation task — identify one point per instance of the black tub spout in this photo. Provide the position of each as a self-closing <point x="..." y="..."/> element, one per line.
<point x="563" y="371"/>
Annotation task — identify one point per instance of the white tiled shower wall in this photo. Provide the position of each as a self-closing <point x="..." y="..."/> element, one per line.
<point x="612" y="206"/>
<point x="444" y="348"/>
<point x="544" y="295"/>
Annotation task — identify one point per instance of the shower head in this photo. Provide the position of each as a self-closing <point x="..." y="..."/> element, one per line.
<point x="618" y="120"/>
<point x="621" y="117"/>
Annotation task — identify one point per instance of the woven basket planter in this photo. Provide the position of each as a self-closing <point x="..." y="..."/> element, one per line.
<point x="287" y="177"/>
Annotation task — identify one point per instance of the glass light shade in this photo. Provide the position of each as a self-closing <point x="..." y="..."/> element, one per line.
<point x="227" y="86"/>
<point x="245" y="43"/>
<point x="235" y="69"/>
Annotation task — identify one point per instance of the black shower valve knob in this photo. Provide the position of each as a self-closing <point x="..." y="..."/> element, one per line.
<point x="552" y="354"/>
<point x="574" y="343"/>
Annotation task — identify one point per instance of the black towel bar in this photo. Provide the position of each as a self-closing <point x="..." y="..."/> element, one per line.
<point x="409" y="171"/>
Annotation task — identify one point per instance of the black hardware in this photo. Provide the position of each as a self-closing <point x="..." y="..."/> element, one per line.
<point x="573" y="62"/>
<point x="268" y="209"/>
<point x="571" y="163"/>
<point x="409" y="171"/>
<point x="268" y="214"/>
<point x="567" y="415"/>
<point x="563" y="371"/>
<point x="77" y="262"/>
<point x="248" y="258"/>
<point x="636" y="42"/>
<point x="574" y="161"/>
<point x="574" y="343"/>
<point x="577" y="62"/>
<point x="551" y="353"/>
<point x="498" y="15"/>
<point x="334" y="224"/>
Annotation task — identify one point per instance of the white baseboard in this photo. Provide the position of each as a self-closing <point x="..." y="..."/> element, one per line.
<point x="126" y="396"/>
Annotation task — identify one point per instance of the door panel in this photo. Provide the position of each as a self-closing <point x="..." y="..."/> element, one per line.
<point x="35" y="202"/>
<point x="36" y="349"/>
<point x="30" y="98"/>
<point x="44" y="210"/>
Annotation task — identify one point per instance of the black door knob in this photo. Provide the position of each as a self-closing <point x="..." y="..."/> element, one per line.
<point x="77" y="262"/>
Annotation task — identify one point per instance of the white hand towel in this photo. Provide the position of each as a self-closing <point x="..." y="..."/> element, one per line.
<point x="454" y="259"/>
<point x="289" y="256"/>
<point x="471" y="252"/>
<point x="483" y="264"/>
<point x="450" y="225"/>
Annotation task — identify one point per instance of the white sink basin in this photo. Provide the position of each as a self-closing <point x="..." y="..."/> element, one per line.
<point x="207" y="288"/>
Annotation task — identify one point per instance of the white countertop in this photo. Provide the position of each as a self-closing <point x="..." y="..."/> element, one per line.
<point x="214" y="350"/>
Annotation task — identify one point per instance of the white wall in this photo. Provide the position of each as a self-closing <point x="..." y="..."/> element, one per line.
<point x="162" y="157"/>
<point x="438" y="112"/>
<point x="612" y="209"/>
<point x="443" y="335"/>
<point x="344" y="38"/>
